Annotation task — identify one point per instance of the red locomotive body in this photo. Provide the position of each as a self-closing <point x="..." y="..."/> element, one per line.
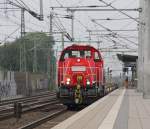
<point x="80" y="75"/>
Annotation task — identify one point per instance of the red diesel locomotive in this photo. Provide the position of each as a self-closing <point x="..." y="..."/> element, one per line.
<point x="80" y="75"/>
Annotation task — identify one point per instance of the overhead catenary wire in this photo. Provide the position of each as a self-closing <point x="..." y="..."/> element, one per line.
<point x="113" y="1"/>
<point x="114" y="33"/>
<point x="115" y="30"/>
<point x="79" y="2"/>
<point x="11" y="34"/>
<point x="18" y="4"/>
<point x="10" y="37"/>
<point x="59" y="3"/>
<point x="86" y="28"/>
<point x="20" y="23"/>
<point x="15" y="22"/>
<point x="57" y="26"/>
<point x="111" y="19"/>
<point x="76" y="20"/>
<point x="30" y="6"/>
<point x="60" y="22"/>
<point x="110" y="35"/>
<point x="23" y="4"/>
<point x="126" y="25"/>
<point x="114" y="41"/>
<point x="120" y="11"/>
<point x="82" y="7"/>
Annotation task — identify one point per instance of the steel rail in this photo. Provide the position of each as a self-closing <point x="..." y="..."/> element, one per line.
<point x="5" y="102"/>
<point x="27" y="105"/>
<point x="27" y="109"/>
<point x="43" y="120"/>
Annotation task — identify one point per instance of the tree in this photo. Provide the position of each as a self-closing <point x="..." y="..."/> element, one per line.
<point x="31" y="42"/>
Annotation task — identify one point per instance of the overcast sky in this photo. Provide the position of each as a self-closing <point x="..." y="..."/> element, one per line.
<point x="10" y="23"/>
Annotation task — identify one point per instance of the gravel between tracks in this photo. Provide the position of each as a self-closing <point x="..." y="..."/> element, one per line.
<point x="57" y="120"/>
<point x="13" y="123"/>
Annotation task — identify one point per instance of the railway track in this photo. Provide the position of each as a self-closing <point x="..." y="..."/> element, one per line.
<point x="7" y="114"/>
<point x="28" y="104"/>
<point x="44" y="119"/>
<point x="38" y="118"/>
<point x="27" y="99"/>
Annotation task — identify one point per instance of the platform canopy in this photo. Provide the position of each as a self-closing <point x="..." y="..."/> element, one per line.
<point x="128" y="60"/>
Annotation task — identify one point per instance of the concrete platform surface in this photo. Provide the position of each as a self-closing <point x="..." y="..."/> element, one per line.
<point x="121" y="109"/>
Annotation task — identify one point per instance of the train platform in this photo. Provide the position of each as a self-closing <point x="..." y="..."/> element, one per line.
<point x="121" y="109"/>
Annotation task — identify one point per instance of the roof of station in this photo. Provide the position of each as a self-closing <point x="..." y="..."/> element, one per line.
<point x="127" y="58"/>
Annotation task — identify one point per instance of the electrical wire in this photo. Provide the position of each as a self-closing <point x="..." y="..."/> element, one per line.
<point x="22" y="4"/>
<point x="79" y="2"/>
<point x="30" y="23"/>
<point x="60" y="22"/>
<point x="7" y="35"/>
<point x="57" y="26"/>
<point x="11" y="34"/>
<point x="114" y="33"/>
<point x="120" y="11"/>
<point x="29" y="6"/>
<point x="59" y="3"/>
<point x="15" y="22"/>
<point x="25" y="5"/>
<point x="126" y="25"/>
<point x="113" y="1"/>
<point x="20" y="24"/>
<point x="86" y="28"/>
<point x="114" y="41"/>
<point x="111" y="19"/>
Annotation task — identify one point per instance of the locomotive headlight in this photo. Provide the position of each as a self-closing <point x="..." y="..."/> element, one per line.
<point x="88" y="82"/>
<point x="78" y="60"/>
<point x="68" y="79"/>
<point x="67" y="83"/>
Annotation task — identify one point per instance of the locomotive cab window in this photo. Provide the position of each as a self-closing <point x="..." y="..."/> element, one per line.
<point x="81" y="53"/>
<point x="88" y="54"/>
<point x="97" y="57"/>
<point x="65" y="55"/>
<point x="75" y="54"/>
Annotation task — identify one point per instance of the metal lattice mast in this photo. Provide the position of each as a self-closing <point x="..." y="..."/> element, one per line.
<point x="49" y="55"/>
<point x="22" y="23"/>
<point x="22" y="47"/>
<point x="72" y="25"/>
<point x="35" y="57"/>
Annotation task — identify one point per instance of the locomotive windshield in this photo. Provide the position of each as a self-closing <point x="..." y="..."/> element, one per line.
<point x="76" y="54"/>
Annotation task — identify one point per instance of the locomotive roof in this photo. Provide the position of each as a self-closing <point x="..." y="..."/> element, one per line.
<point x="80" y="47"/>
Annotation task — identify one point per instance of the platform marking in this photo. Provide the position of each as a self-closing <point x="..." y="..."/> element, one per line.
<point x="109" y="120"/>
<point x="68" y="122"/>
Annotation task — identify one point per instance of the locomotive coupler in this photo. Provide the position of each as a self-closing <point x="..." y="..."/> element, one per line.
<point x="78" y="94"/>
